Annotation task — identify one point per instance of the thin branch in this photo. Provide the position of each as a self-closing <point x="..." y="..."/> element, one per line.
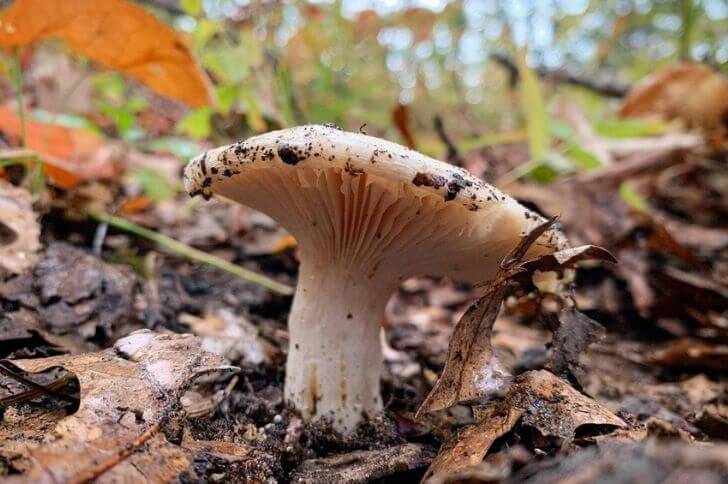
<point x="453" y="154"/>
<point x="609" y="88"/>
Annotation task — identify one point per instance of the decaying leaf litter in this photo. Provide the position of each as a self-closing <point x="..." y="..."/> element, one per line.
<point x="625" y="370"/>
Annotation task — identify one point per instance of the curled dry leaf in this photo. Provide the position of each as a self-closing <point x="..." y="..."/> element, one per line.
<point x="573" y="333"/>
<point x="538" y="399"/>
<point x="118" y="35"/>
<point x="19" y="229"/>
<point x="470" y="444"/>
<point x="472" y="372"/>
<point x="128" y="392"/>
<point x="555" y="408"/>
<point x="100" y="305"/>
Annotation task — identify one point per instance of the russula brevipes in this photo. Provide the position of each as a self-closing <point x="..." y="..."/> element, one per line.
<point x="366" y="213"/>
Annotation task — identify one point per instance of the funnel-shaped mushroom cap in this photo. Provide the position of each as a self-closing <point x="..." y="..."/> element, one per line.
<point x="370" y="203"/>
<point x="366" y="213"/>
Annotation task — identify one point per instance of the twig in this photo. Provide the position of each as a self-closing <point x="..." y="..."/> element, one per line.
<point x="609" y="88"/>
<point x="453" y="154"/>
<point x="192" y="253"/>
<point x="7" y="370"/>
<point x="634" y="165"/>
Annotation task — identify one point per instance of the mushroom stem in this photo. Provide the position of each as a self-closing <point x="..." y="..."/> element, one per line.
<point x="334" y="360"/>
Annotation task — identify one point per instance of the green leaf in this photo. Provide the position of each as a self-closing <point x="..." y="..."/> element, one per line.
<point x="561" y="130"/>
<point x="230" y="62"/>
<point x="191" y="7"/>
<point x="196" y="124"/>
<point x="584" y="159"/>
<point x="155" y="186"/>
<point x="630" y="128"/>
<point x="632" y="198"/>
<point x="226" y="95"/>
<point x="543" y="173"/>
<point x="123" y="117"/>
<point x="534" y="108"/>
<point x="179" y="147"/>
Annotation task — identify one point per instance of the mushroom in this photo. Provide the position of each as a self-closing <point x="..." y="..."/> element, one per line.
<point x="367" y="214"/>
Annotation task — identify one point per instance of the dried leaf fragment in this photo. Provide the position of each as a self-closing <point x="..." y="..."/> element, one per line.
<point x="118" y="35"/>
<point x="689" y="91"/>
<point x="19" y="229"/>
<point x="128" y="392"/>
<point x="468" y="447"/>
<point x="555" y="408"/>
<point x="573" y="333"/>
<point x="472" y="371"/>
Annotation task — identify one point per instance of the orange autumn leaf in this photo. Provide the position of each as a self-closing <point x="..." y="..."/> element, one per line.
<point x="115" y="33"/>
<point x="70" y="154"/>
<point x="135" y="204"/>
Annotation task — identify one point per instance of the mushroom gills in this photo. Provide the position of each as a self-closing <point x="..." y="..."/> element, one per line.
<point x="359" y="236"/>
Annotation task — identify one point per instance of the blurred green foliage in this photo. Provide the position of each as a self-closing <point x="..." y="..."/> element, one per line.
<point x="276" y="63"/>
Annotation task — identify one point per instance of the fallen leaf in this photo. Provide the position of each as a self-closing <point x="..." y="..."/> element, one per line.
<point x="118" y="35"/>
<point x="470" y="444"/>
<point x="128" y="393"/>
<point x="401" y="119"/>
<point x="472" y="371"/>
<point x="573" y="333"/>
<point x="230" y="335"/>
<point x="70" y="155"/>
<point x="690" y="353"/>
<point x="99" y="304"/>
<point x="537" y="399"/>
<point x="19" y="229"/>
<point x="555" y="408"/>
<point x="648" y="462"/>
<point x="689" y="91"/>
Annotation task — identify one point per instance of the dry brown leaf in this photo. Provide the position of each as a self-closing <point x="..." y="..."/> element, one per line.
<point x="573" y="333"/>
<point x="230" y="335"/>
<point x="19" y="229"/>
<point x="472" y="370"/>
<point x="401" y="119"/>
<point x="689" y="91"/>
<point x="118" y="35"/>
<point x="691" y="354"/>
<point x="128" y="392"/>
<point x="470" y="444"/>
<point x="99" y="305"/>
<point x="538" y="399"/>
<point x="555" y="408"/>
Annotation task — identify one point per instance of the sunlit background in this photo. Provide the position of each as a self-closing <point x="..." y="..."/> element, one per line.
<point x="346" y="61"/>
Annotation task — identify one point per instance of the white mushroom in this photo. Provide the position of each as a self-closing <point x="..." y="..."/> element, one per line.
<point x="366" y="213"/>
